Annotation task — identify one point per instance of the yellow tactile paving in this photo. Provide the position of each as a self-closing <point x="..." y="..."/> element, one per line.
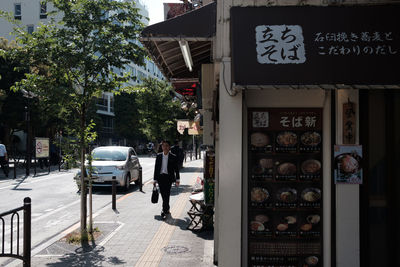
<point x="154" y="252"/>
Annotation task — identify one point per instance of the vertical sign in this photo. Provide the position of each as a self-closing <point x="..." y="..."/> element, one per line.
<point x="349" y="123"/>
<point x="209" y="177"/>
<point x="42" y="147"/>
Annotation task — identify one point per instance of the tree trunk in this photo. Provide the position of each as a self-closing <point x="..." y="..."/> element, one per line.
<point x="83" y="182"/>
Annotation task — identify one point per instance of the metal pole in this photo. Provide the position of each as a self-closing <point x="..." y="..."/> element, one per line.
<point x="114" y="192"/>
<point x="27" y="163"/>
<point x="90" y="206"/>
<point x="193" y="147"/>
<point x="15" y="168"/>
<point x="59" y="160"/>
<point x="141" y="179"/>
<point x="27" y="232"/>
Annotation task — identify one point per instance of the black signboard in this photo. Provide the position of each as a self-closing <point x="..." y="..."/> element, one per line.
<point x="315" y="45"/>
<point x="285" y="187"/>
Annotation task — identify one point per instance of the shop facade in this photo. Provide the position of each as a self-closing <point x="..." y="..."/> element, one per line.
<point x="303" y="114"/>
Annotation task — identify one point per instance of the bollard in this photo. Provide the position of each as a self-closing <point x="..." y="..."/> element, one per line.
<point x="15" y="170"/>
<point x="27" y="232"/>
<point x="114" y="192"/>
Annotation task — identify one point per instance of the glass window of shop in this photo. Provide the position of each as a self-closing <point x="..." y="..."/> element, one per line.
<point x="379" y="197"/>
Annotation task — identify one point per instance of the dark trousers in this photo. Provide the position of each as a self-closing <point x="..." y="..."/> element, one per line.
<point x="4" y="165"/>
<point x="165" y="190"/>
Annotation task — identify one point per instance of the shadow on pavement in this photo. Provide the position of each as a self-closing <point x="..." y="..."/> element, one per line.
<point x="107" y="190"/>
<point x="206" y="234"/>
<point x="181" y="189"/>
<point x="182" y="224"/>
<point x="192" y="169"/>
<point x="93" y="258"/>
<point x="19" y="182"/>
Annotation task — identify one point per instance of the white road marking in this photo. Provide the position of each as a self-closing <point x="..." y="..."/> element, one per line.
<point x="29" y="181"/>
<point x="56" y="210"/>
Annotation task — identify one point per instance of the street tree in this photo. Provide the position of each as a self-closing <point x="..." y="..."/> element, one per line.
<point x="11" y="103"/>
<point x="80" y="55"/>
<point x="158" y="110"/>
<point x="127" y="118"/>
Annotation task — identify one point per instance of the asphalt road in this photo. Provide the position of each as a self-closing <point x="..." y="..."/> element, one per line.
<point x="55" y="200"/>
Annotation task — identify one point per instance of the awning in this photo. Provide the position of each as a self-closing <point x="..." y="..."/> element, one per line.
<point x="190" y="34"/>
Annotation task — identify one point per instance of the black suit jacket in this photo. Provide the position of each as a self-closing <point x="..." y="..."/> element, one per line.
<point x="173" y="170"/>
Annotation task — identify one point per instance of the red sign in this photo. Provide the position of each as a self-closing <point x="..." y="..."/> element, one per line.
<point x="186" y="89"/>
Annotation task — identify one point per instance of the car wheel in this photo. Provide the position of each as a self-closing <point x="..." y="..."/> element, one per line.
<point x="127" y="182"/>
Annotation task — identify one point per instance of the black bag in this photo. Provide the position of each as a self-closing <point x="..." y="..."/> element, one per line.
<point x="154" y="195"/>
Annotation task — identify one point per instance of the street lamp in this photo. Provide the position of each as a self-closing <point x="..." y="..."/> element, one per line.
<point x="28" y="95"/>
<point x="28" y="147"/>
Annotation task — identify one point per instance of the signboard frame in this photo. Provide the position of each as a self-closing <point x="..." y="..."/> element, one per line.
<point x="309" y="45"/>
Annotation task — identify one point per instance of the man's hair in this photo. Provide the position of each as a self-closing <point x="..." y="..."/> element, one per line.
<point x="166" y="141"/>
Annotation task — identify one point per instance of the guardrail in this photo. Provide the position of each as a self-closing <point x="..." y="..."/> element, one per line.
<point x="192" y="155"/>
<point x="14" y="252"/>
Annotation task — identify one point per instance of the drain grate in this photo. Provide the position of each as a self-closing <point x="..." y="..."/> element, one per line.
<point x="175" y="249"/>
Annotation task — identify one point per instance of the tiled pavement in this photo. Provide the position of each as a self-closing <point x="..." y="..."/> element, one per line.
<point x="135" y="235"/>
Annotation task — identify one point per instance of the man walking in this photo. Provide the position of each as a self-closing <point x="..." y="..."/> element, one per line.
<point x="178" y="152"/>
<point x="166" y="172"/>
<point x="3" y="158"/>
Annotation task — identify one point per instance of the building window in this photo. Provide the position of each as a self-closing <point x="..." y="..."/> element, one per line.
<point x="108" y="124"/>
<point x="102" y="103"/>
<point x="111" y="104"/>
<point x="43" y="10"/>
<point x="30" y="29"/>
<point x="17" y="11"/>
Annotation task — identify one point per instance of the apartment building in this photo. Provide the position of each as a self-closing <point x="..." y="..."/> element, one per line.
<point x="31" y="13"/>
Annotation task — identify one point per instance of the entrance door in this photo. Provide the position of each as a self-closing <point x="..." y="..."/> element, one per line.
<point x="380" y="193"/>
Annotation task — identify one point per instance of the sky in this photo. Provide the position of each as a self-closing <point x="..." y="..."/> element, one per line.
<point x="156" y="9"/>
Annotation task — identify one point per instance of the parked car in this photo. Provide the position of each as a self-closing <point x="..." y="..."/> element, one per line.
<point x="119" y="161"/>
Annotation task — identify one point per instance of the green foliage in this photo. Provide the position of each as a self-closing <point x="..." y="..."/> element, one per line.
<point x="158" y="110"/>
<point x="73" y="62"/>
<point x="127" y="117"/>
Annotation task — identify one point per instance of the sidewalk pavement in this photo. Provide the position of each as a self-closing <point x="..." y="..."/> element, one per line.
<point x="135" y="235"/>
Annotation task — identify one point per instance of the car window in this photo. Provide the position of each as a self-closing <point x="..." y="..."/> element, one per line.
<point x="114" y="155"/>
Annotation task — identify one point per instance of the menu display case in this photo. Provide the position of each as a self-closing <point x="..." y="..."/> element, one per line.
<point x="285" y="187"/>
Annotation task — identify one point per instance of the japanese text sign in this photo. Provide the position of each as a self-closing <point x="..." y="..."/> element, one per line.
<point x="315" y="45"/>
<point x="209" y="177"/>
<point x="181" y="125"/>
<point x="288" y="119"/>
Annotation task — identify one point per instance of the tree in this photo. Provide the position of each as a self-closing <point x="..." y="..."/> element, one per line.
<point x="127" y="118"/>
<point x="79" y="57"/>
<point x="158" y="110"/>
<point x="11" y="103"/>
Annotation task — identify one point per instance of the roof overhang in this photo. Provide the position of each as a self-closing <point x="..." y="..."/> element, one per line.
<point x="189" y="35"/>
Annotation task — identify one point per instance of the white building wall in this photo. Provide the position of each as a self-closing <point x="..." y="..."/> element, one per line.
<point x="347" y="196"/>
<point x="229" y="151"/>
<point x="30" y="10"/>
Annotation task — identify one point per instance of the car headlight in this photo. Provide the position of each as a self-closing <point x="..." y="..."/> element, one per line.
<point x="120" y="167"/>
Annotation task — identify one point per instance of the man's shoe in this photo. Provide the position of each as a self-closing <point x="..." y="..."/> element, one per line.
<point x="163" y="214"/>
